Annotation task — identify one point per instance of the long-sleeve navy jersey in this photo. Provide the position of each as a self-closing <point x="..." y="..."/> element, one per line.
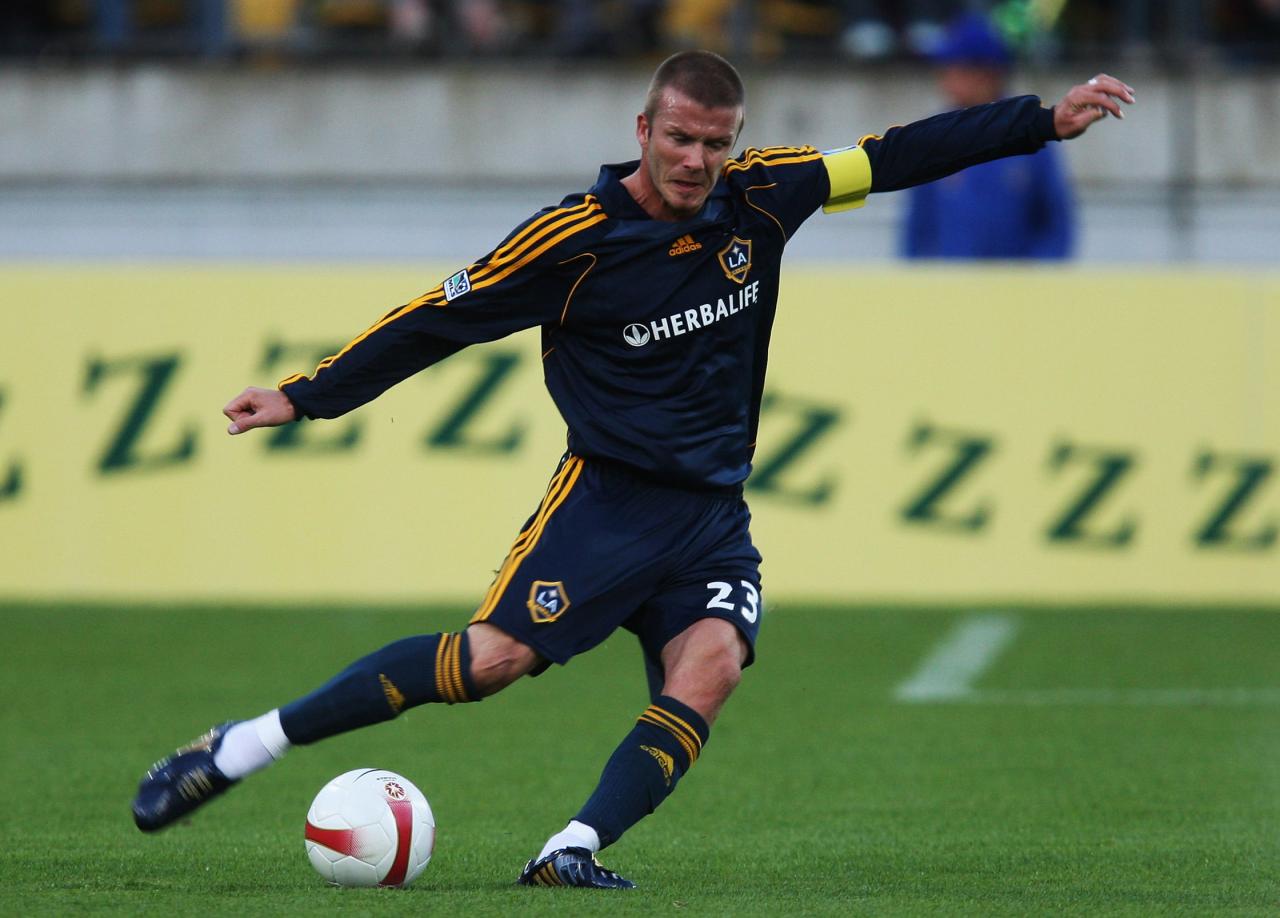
<point x="655" y="334"/>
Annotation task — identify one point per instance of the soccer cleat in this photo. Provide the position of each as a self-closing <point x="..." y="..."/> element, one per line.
<point x="179" y="784"/>
<point x="571" y="867"/>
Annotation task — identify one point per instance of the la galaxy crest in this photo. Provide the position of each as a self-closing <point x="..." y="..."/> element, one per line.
<point x="735" y="259"/>
<point x="547" y="601"/>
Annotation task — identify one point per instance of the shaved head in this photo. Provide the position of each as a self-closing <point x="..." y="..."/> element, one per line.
<point x="702" y="76"/>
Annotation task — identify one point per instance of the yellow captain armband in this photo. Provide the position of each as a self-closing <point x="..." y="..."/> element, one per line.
<point x="850" y="174"/>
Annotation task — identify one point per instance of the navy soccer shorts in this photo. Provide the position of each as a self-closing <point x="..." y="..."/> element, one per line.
<point x="607" y="549"/>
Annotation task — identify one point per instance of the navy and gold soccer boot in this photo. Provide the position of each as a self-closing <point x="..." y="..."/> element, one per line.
<point x="177" y="785"/>
<point x="571" y="867"/>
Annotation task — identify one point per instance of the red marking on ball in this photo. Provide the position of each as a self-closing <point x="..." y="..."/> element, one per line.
<point x="342" y="841"/>
<point x="402" y="810"/>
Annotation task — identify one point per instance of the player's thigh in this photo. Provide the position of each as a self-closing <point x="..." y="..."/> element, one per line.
<point x="733" y="599"/>
<point x="720" y="582"/>
<point x="582" y="565"/>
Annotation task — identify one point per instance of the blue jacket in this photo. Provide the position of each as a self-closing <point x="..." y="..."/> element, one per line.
<point x="1020" y="207"/>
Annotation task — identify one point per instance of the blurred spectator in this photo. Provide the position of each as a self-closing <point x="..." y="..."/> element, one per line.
<point x="797" y="28"/>
<point x="262" y="24"/>
<point x="1020" y="207"/>
<point x="447" y="27"/>
<point x="26" y="24"/>
<point x="762" y="29"/>
<point x="699" y="23"/>
<point x="807" y="29"/>
<point x="877" y="29"/>
<point x="588" y="28"/>
<point x="1250" y="30"/>
<point x="204" y="23"/>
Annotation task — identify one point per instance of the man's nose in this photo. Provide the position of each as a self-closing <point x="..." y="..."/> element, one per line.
<point x="695" y="157"/>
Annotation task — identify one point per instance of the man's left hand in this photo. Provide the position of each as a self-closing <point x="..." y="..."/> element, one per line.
<point x="1090" y="102"/>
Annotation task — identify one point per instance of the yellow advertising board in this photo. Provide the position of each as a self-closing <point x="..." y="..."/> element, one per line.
<point x="958" y="434"/>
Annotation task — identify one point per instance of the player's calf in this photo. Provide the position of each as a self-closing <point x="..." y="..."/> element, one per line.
<point x="641" y="773"/>
<point x="703" y="665"/>
<point x="377" y="687"/>
<point x="407" y="673"/>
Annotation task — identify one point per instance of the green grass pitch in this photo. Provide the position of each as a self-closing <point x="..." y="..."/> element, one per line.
<point x="1103" y="761"/>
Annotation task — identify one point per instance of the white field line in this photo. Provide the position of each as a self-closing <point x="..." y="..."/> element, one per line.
<point x="1171" y="697"/>
<point x="948" y="673"/>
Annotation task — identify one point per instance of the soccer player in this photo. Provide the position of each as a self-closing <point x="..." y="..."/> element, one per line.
<point x="655" y="293"/>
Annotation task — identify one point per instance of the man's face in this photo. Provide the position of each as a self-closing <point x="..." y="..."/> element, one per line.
<point x="683" y="150"/>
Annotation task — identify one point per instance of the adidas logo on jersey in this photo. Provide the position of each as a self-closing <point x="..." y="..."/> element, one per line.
<point x="683" y="246"/>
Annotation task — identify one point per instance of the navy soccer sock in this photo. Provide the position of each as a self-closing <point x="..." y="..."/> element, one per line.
<point x="644" y="769"/>
<point x="402" y="675"/>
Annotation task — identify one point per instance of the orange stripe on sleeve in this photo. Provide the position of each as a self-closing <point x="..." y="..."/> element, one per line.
<point x="597" y="216"/>
<point x="531" y="235"/>
<point x="518" y="240"/>
<point x="513" y="255"/>
<point x="773" y="156"/>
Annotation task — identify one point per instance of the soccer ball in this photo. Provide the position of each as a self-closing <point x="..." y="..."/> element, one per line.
<point x="370" y="827"/>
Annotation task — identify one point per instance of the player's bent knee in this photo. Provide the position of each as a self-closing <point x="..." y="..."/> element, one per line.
<point x="722" y="674"/>
<point x="704" y="666"/>
<point x="707" y="688"/>
<point x="497" y="659"/>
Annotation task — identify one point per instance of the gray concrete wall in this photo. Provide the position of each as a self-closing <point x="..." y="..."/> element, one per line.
<point x="542" y="123"/>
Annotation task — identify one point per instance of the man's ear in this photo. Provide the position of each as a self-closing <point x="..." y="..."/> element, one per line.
<point x="643" y="129"/>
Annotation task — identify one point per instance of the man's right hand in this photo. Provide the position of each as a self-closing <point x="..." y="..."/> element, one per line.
<point x="256" y="407"/>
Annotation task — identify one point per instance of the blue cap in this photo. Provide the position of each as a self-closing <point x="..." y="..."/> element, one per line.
<point x="972" y="39"/>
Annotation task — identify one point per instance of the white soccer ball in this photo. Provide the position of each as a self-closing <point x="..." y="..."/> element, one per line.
<point x="370" y="827"/>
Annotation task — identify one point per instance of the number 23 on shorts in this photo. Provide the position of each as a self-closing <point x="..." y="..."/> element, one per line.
<point x="722" y="592"/>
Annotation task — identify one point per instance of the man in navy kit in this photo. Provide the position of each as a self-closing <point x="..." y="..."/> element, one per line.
<point x="655" y="292"/>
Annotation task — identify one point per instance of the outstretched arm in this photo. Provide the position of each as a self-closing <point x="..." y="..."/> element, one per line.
<point x="936" y="147"/>
<point x="522" y="283"/>
<point x="933" y="148"/>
